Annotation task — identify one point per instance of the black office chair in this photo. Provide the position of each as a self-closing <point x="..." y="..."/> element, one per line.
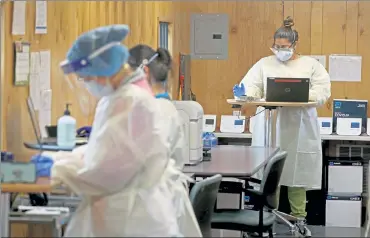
<point x="203" y="196"/>
<point x="262" y="219"/>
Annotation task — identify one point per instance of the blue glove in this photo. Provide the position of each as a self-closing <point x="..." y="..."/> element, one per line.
<point x="239" y="90"/>
<point x="43" y="165"/>
<point x="84" y="131"/>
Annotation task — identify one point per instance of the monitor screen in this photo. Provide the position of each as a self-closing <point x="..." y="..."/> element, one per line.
<point x="325" y="124"/>
<point x="210" y="121"/>
<point x="238" y="122"/>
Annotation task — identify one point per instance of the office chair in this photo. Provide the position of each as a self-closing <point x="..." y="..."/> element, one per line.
<point x="203" y="196"/>
<point x="261" y="220"/>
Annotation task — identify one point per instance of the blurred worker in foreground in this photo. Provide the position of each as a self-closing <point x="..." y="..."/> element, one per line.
<point x="157" y="65"/>
<point x="298" y="130"/>
<point x="124" y="176"/>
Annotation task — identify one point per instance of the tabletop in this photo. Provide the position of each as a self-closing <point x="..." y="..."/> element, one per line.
<point x="50" y="147"/>
<point x="233" y="161"/>
<point x="42" y="185"/>
<point x="272" y="104"/>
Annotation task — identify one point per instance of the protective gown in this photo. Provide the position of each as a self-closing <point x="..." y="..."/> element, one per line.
<point x="125" y="175"/>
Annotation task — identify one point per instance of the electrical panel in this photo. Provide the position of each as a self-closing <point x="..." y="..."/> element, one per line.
<point x="209" y="36"/>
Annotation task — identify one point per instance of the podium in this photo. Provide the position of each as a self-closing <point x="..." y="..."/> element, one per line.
<point x="298" y="228"/>
<point x="270" y="127"/>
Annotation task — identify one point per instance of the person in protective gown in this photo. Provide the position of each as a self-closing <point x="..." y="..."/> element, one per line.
<point x="298" y="130"/>
<point x="124" y="174"/>
<point x="157" y="66"/>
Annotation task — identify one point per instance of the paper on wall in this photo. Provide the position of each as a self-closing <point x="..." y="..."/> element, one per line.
<point x="34" y="89"/>
<point x="22" y="63"/>
<point x="44" y="120"/>
<point x="345" y="68"/>
<point x="320" y="58"/>
<point x="19" y="18"/>
<point x="45" y="111"/>
<point x="41" y="17"/>
<point x="46" y="97"/>
<point x="44" y="70"/>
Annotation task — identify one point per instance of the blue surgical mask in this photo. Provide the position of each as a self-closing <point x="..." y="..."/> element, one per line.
<point x="99" y="90"/>
<point x="283" y="55"/>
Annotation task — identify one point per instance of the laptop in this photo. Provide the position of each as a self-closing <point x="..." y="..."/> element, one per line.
<point x="36" y="128"/>
<point x="287" y="89"/>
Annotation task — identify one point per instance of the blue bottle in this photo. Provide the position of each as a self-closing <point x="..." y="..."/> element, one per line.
<point x="66" y="132"/>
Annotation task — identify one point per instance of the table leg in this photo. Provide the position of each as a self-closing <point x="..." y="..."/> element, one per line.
<point x="4" y="214"/>
<point x="270" y="128"/>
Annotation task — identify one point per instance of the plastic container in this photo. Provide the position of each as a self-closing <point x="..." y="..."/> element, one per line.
<point x="66" y="130"/>
<point x="209" y="140"/>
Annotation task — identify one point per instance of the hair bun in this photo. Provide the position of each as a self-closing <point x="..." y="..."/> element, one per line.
<point x="164" y="57"/>
<point x="288" y="22"/>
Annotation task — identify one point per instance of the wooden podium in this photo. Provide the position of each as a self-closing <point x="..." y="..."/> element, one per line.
<point x="270" y="119"/>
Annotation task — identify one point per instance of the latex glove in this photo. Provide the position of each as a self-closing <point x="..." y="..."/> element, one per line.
<point x="239" y="90"/>
<point x="84" y="131"/>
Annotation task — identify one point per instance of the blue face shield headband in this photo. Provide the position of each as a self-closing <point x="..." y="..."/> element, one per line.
<point x="76" y="65"/>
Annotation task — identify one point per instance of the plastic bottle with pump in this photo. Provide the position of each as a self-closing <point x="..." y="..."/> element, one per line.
<point x="66" y="135"/>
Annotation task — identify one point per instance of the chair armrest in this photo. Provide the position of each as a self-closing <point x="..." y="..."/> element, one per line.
<point x="257" y="197"/>
<point x="253" y="193"/>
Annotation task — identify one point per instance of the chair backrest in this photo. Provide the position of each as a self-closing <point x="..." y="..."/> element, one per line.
<point x="203" y="197"/>
<point x="271" y="178"/>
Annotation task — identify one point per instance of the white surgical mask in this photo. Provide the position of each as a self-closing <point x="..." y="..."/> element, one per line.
<point x="99" y="90"/>
<point x="283" y="55"/>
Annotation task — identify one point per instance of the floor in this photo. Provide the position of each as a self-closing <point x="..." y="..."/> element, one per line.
<point x="317" y="231"/>
<point x="322" y="231"/>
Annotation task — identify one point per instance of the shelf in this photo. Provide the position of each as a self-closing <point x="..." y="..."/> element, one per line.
<point x="323" y="137"/>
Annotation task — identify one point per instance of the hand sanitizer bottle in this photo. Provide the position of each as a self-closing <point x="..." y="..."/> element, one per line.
<point x="66" y="135"/>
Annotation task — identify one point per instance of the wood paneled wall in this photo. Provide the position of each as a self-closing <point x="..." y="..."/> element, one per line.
<point x="324" y="27"/>
<point x="66" y="20"/>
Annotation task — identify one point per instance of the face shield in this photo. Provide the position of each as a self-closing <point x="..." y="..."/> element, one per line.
<point x="88" y="87"/>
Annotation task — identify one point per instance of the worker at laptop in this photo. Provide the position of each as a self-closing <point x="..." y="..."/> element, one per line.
<point x="298" y="130"/>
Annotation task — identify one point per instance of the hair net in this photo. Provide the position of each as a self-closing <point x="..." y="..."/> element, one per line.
<point x="107" y="63"/>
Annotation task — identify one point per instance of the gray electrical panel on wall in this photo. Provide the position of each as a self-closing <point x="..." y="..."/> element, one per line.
<point x="209" y="36"/>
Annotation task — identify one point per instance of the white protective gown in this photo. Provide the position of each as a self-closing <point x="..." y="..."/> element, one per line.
<point x="176" y="140"/>
<point x="297" y="130"/>
<point x="124" y="176"/>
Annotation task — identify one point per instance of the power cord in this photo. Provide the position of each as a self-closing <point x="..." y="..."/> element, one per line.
<point x="246" y="119"/>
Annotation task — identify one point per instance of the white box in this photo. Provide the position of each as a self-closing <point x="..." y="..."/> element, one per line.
<point x="345" y="177"/>
<point x="326" y="125"/>
<point x="343" y="211"/>
<point x="209" y="123"/>
<point x="232" y="124"/>
<point x="349" y="126"/>
<point x="346" y="109"/>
